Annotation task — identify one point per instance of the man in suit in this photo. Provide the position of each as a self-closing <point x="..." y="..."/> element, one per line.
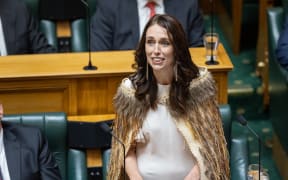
<point x="24" y="153"/>
<point x="19" y="32"/>
<point x="118" y="24"/>
<point x="282" y="47"/>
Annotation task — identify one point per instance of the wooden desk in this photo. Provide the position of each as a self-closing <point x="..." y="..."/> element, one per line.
<point x="57" y="82"/>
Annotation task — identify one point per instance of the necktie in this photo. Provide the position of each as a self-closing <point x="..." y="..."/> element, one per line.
<point x="151" y="6"/>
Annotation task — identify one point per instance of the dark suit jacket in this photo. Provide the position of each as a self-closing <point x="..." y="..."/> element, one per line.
<point x="282" y="47"/>
<point x="115" y="25"/>
<point x="27" y="154"/>
<point x="21" y="30"/>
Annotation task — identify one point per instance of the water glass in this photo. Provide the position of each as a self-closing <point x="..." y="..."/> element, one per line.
<point x="211" y="41"/>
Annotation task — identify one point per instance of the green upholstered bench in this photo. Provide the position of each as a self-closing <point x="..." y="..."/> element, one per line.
<point x="238" y="148"/>
<point x="278" y="91"/>
<point x="72" y="162"/>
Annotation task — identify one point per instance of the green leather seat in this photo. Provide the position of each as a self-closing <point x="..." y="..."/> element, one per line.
<point x="79" y="30"/>
<point x="278" y="91"/>
<point x="277" y="78"/>
<point x="79" y="37"/>
<point x="72" y="162"/>
<point x="48" y="27"/>
<point x="238" y="148"/>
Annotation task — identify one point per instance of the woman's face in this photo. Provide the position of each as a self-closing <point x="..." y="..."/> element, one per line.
<point x="159" y="49"/>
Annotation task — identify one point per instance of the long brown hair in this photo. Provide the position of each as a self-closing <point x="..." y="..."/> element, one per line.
<point x="146" y="89"/>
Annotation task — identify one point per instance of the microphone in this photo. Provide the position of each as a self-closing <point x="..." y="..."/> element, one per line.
<point x="89" y="66"/>
<point x="244" y="122"/>
<point x="211" y="44"/>
<point x="107" y="129"/>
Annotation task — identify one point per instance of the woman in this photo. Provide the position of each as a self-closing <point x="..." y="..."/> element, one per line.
<point x="167" y="114"/>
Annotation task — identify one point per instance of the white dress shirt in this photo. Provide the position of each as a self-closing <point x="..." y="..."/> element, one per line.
<point x="144" y="12"/>
<point x="3" y="50"/>
<point x="3" y="161"/>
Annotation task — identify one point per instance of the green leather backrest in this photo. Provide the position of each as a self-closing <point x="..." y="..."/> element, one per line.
<point x="105" y="162"/>
<point x="278" y="78"/>
<point x="275" y="20"/>
<point x="238" y="151"/>
<point x="71" y="162"/>
<point x="79" y="37"/>
<point x="225" y="112"/>
<point x="48" y="27"/>
<point x="54" y="127"/>
<point x="77" y="165"/>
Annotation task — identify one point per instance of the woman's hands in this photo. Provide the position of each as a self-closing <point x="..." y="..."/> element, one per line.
<point x="194" y="174"/>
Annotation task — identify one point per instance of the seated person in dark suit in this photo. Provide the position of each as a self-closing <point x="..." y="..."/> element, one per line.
<point x="118" y="24"/>
<point x="24" y="153"/>
<point x="19" y="32"/>
<point x="282" y="47"/>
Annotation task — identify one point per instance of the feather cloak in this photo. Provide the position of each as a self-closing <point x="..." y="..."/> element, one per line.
<point x="201" y="129"/>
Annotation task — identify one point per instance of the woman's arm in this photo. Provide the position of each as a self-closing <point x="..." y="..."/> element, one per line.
<point x="194" y="174"/>
<point x="131" y="165"/>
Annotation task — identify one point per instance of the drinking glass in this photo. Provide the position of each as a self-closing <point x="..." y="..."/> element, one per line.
<point x="211" y="41"/>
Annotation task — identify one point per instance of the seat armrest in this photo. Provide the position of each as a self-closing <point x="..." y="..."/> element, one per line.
<point x="239" y="157"/>
<point x="77" y="167"/>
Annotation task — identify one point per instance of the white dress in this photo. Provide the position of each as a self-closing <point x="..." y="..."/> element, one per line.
<point x="162" y="153"/>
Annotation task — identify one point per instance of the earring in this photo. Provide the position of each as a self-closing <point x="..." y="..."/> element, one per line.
<point x="176" y="72"/>
<point x="147" y="71"/>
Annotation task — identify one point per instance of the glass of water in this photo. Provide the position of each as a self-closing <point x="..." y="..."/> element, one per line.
<point x="211" y="41"/>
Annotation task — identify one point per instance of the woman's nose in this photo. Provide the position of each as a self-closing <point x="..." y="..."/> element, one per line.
<point x="156" y="48"/>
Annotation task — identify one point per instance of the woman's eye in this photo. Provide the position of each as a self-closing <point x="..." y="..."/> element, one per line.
<point x="150" y="42"/>
<point x="165" y="43"/>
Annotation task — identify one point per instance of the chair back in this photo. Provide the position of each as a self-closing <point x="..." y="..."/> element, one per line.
<point x="48" y="27"/>
<point x="275" y="21"/>
<point x="79" y="42"/>
<point x="278" y="91"/>
<point x="278" y="82"/>
<point x="225" y="112"/>
<point x="54" y="127"/>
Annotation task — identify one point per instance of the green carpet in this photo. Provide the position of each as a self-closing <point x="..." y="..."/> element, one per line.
<point x="245" y="97"/>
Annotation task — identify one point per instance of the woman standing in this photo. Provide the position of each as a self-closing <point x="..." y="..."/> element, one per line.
<point x="167" y="113"/>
